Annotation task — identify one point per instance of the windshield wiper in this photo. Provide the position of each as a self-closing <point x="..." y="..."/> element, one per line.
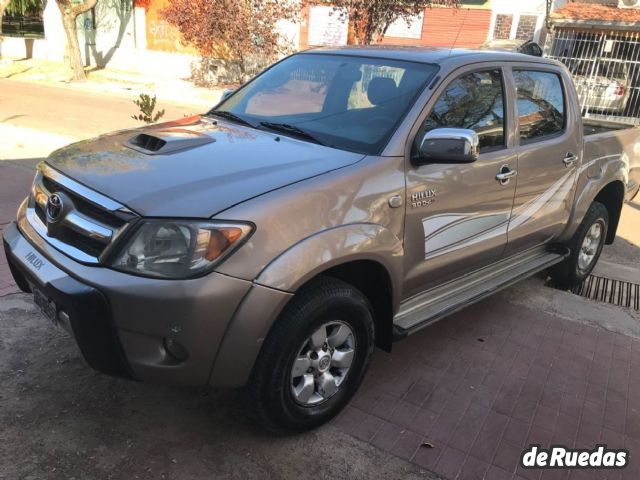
<point x="231" y="116"/>
<point x="292" y="130"/>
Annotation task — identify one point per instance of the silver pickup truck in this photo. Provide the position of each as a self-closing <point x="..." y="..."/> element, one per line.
<point x="339" y="201"/>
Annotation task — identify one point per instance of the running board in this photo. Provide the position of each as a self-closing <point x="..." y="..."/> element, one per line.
<point x="425" y="308"/>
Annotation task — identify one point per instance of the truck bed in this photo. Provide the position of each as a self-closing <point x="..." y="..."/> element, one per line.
<point x="593" y="127"/>
<point x="603" y="139"/>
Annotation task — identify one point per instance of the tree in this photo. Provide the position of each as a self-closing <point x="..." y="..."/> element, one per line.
<point x="370" y="19"/>
<point x="231" y="29"/>
<point x="70" y="9"/>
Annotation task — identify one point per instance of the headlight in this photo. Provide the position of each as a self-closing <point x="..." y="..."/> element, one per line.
<point x="179" y="248"/>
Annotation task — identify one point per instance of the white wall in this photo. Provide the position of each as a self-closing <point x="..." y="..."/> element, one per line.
<point x="52" y="47"/>
<point x="119" y="40"/>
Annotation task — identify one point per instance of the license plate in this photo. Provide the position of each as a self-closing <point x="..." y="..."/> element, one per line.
<point x="46" y="306"/>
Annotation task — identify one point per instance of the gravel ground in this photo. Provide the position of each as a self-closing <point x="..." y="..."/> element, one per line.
<point x="61" y="420"/>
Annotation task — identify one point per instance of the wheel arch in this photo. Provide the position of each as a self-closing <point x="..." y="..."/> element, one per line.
<point x="367" y="256"/>
<point x="612" y="197"/>
<point x="374" y="281"/>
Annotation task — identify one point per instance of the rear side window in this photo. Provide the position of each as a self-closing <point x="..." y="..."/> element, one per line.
<point x="473" y="101"/>
<point x="540" y="104"/>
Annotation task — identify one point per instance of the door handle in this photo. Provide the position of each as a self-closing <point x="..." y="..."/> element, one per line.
<point x="505" y="174"/>
<point x="569" y="159"/>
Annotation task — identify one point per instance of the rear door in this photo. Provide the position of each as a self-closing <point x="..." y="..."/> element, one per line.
<point x="549" y="145"/>
<point x="457" y="214"/>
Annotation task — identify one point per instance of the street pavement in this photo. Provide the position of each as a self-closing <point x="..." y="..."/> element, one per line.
<point x="15" y="182"/>
<point x="462" y="398"/>
<point x="63" y="111"/>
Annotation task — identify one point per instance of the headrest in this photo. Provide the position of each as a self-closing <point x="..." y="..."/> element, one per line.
<point x="381" y="90"/>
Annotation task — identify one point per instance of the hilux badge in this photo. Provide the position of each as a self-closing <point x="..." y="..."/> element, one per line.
<point x="423" y="198"/>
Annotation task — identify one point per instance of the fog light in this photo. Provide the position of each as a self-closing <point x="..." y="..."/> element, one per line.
<point x="176" y="349"/>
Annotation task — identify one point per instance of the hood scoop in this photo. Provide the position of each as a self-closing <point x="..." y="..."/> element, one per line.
<point x="164" y="142"/>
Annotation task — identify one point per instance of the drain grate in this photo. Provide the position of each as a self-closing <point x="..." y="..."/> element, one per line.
<point x="608" y="290"/>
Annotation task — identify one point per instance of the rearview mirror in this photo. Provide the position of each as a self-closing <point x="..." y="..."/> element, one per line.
<point x="226" y="94"/>
<point x="449" y="145"/>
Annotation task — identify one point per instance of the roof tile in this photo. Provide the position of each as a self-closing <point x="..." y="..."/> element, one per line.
<point x="600" y="13"/>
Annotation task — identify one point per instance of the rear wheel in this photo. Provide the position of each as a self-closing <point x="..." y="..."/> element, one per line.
<point x="586" y="246"/>
<point x="314" y="357"/>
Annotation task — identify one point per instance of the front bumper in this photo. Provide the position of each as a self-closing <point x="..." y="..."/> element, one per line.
<point x="79" y="308"/>
<point x="121" y="322"/>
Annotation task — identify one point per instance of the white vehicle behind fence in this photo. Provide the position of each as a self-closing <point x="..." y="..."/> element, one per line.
<point x="603" y="87"/>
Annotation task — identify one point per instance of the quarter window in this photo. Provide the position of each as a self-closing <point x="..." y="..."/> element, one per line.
<point x="473" y="101"/>
<point x="540" y="104"/>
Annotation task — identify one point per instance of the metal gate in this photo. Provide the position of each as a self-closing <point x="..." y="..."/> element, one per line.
<point x="605" y="68"/>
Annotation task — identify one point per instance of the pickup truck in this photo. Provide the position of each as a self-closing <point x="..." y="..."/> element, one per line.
<point x="341" y="200"/>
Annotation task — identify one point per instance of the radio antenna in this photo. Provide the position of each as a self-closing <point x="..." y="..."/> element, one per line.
<point x="459" y="30"/>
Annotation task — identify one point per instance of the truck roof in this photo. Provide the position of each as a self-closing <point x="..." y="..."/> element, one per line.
<point x="431" y="55"/>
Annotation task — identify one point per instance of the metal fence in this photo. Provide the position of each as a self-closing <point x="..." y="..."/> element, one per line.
<point x="605" y="68"/>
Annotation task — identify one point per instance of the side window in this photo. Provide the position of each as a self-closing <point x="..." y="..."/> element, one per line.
<point x="540" y="104"/>
<point x="473" y="101"/>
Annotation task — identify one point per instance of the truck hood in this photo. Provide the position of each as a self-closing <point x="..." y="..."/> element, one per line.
<point x="194" y="167"/>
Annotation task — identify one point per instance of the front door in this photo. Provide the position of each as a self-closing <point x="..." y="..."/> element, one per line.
<point x="458" y="214"/>
<point x="548" y="159"/>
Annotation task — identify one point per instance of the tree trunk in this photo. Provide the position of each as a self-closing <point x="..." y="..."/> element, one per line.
<point x="73" y="48"/>
<point x="70" y="12"/>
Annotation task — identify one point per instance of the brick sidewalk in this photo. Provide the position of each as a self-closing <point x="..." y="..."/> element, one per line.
<point x="15" y="181"/>
<point x="486" y="382"/>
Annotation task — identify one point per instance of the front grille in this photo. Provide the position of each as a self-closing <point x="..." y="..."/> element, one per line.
<point x="85" y="206"/>
<point x="85" y="244"/>
<point x="88" y="223"/>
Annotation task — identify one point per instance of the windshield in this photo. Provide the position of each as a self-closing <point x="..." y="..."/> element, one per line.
<point x="352" y="103"/>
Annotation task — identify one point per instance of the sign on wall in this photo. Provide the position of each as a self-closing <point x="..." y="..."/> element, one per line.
<point x="327" y="26"/>
<point x="402" y="28"/>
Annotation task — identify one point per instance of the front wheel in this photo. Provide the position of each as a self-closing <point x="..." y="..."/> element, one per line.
<point x="314" y="357"/>
<point x="585" y="246"/>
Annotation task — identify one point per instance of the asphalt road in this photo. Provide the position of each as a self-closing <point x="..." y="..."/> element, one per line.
<point x="61" y="110"/>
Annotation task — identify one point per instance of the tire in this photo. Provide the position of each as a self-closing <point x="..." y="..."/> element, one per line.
<point x="280" y="384"/>
<point x="577" y="267"/>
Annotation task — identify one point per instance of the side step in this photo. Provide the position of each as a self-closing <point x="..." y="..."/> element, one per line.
<point x="425" y="308"/>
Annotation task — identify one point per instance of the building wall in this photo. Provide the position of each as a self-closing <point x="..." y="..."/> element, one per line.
<point x="116" y="35"/>
<point x="51" y="47"/>
<point x="521" y="19"/>
<point x="160" y="35"/>
<point x="450" y="27"/>
<point x="466" y="26"/>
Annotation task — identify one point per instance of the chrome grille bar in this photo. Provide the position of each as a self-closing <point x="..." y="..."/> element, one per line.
<point x="81" y="224"/>
<point x="90" y="224"/>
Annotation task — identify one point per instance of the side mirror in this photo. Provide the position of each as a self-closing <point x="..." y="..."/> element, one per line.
<point x="449" y="145"/>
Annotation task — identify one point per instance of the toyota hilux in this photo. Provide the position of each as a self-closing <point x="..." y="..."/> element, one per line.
<point x="341" y="200"/>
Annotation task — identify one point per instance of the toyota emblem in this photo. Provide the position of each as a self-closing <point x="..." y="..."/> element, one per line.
<point x="54" y="207"/>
